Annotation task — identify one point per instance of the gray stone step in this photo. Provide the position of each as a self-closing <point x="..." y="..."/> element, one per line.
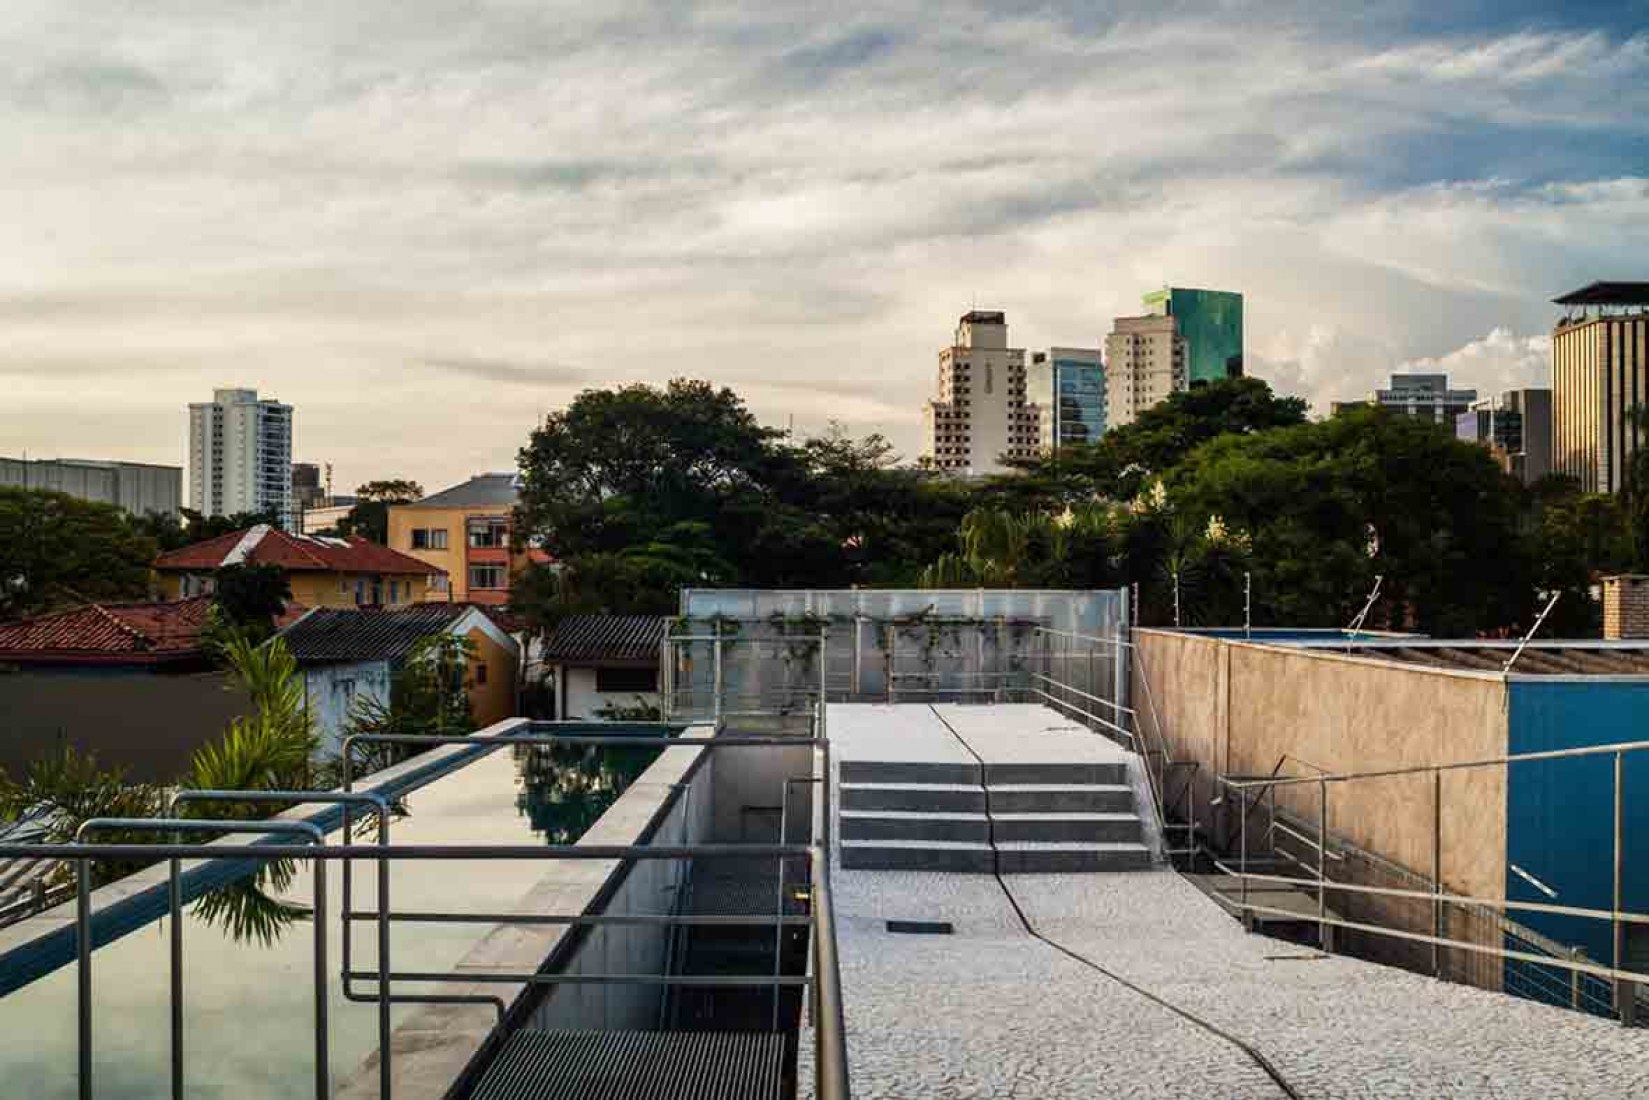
<point x="938" y="797"/>
<point x="1073" y="827"/>
<point x="1031" y="858"/>
<point x="924" y="855"/>
<point x="907" y="771"/>
<point x="905" y="825"/>
<point x="1109" y="772"/>
<point x="1049" y="798"/>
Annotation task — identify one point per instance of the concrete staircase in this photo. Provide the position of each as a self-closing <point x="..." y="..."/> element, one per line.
<point x="1018" y="817"/>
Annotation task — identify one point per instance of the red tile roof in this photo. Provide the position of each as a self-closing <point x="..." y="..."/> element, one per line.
<point x="264" y="545"/>
<point x="119" y="633"/>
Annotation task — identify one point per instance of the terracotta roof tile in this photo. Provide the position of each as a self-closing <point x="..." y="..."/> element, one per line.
<point x="296" y="553"/>
<point x="119" y="632"/>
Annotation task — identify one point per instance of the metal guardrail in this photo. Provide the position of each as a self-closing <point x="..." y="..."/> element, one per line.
<point x="1624" y="981"/>
<point x="824" y="982"/>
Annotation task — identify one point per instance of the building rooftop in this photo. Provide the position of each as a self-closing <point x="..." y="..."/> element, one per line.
<point x="266" y="545"/>
<point x="1606" y="294"/>
<point x="113" y="633"/>
<point x="359" y="634"/>
<point x="607" y="638"/>
<point x="984" y="317"/>
<point x="481" y="491"/>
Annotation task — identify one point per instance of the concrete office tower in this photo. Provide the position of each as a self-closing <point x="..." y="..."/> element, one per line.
<point x="1211" y="323"/>
<point x="240" y="456"/>
<point x="135" y="487"/>
<point x="1067" y="385"/>
<point x="1516" y="427"/>
<point x="307" y="490"/>
<point x="1145" y="361"/>
<point x="981" y="415"/>
<point x="1600" y="359"/>
<point x="1427" y="396"/>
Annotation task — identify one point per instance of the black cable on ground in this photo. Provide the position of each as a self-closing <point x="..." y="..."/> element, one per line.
<point x="1254" y="1055"/>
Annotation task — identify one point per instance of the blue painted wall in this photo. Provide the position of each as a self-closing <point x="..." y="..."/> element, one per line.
<point x="1559" y="813"/>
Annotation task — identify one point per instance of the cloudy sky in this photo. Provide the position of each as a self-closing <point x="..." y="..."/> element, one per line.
<point x="427" y="222"/>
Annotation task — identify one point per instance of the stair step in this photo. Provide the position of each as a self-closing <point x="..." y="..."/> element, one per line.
<point x="906" y="825"/>
<point x="941" y="797"/>
<point x="1044" y="798"/>
<point x="1074" y="827"/>
<point x="1057" y="773"/>
<point x="925" y="855"/>
<point x="907" y="771"/>
<point x="1033" y="857"/>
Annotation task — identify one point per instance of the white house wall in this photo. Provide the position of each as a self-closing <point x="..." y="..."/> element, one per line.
<point x="333" y="691"/>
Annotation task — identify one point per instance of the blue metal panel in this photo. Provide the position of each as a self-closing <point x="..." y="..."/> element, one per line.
<point x="1560" y="813"/>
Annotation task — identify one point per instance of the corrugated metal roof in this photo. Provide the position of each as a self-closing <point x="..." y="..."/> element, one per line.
<point x="367" y="634"/>
<point x="607" y="638"/>
<point x="636" y="1065"/>
<point x="480" y="491"/>
<point x="265" y="545"/>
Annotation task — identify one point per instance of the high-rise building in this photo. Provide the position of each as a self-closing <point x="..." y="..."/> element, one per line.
<point x="1600" y="359"/>
<point x="1426" y="396"/>
<point x="1210" y="321"/>
<point x="240" y="456"/>
<point x="981" y="415"/>
<point x="1145" y="361"/>
<point x="1516" y="427"/>
<point x="135" y="487"/>
<point x="307" y="490"/>
<point x="1067" y="385"/>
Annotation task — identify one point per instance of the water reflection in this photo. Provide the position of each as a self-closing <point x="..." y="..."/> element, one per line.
<point x="563" y="789"/>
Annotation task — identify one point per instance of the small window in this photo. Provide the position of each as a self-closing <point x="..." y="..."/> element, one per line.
<point x="487" y="577"/>
<point x="480" y="674"/>
<point x="621" y="680"/>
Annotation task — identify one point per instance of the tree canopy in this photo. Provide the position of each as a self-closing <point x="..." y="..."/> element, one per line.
<point x="57" y="550"/>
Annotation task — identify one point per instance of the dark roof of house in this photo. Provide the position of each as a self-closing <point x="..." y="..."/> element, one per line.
<point x="607" y="638"/>
<point x="1538" y="659"/>
<point x="112" y="633"/>
<point x="265" y="545"/>
<point x="480" y="491"/>
<point x="367" y="634"/>
<point x="1607" y="294"/>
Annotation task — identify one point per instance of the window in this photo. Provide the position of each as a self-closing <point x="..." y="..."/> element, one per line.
<point x="436" y="583"/>
<point x="487" y="576"/>
<point x="489" y="534"/>
<point x="619" y="680"/>
<point x="429" y="538"/>
<point x="394" y="591"/>
<point x="480" y="674"/>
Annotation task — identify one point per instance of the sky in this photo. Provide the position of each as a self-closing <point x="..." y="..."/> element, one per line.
<point x="427" y="223"/>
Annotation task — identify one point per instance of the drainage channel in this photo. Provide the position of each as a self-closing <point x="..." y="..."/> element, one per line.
<point x="1250" y="1052"/>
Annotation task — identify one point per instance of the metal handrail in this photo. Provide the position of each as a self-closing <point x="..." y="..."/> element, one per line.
<point x="1425" y="769"/>
<point x="83" y="932"/>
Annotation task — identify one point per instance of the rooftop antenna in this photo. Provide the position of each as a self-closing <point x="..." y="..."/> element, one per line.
<point x="1368" y="605"/>
<point x="1518" y="652"/>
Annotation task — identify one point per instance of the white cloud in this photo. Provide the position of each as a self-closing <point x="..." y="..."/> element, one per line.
<point x="795" y="205"/>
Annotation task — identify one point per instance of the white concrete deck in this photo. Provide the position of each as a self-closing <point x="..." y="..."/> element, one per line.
<point x="903" y="733"/>
<point x="1026" y="733"/>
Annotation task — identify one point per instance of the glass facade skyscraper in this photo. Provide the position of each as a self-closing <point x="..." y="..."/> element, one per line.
<point x="1068" y="384"/>
<point x="1210" y="321"/>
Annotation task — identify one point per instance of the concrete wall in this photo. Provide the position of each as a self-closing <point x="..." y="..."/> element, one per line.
<point x="334" y="690"/>
<point x="1238" y="708"/>
<point x="147" y="723"/>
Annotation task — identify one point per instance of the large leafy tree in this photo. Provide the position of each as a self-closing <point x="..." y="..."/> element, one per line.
<point x="57" y="550"/>
<point x="369" y="518"/>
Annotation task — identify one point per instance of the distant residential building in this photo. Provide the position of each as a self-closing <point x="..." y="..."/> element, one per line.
<point x="1145" y="361"/>
<point x="318" y="521"/>
<point x="307" y="489"/>
<point x="240" y="456"/>
<point x="603" y="664"/>
<point x="467" y="533"/>
<point x="135" y="487"/>
<point x="1067" y="385"/>
<point x="1600" y="356"/>
<point x="350" y="656"/>
<point x="1516" y="427"/>
<point x="1210" y="321"/>
<point x="321" y="571"/>
<point x="981" y="414"/>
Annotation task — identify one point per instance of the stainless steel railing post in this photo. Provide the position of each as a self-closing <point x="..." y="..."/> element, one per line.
<point x="83" y="975"/>
<point x="1322" y="865"/>
<point x="1437" y="871"/>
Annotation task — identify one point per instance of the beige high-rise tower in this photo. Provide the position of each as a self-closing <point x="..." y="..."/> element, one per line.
<point x="1600" y="378"/>
<point x="980" y="416"/>
<point x="1145" y="361"/>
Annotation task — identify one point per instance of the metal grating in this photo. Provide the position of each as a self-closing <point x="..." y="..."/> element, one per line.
<point x="635" y="1065"/>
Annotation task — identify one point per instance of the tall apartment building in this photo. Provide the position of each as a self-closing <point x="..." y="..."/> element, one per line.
<point x="1067" y="385"/>
<point x="307" y="489"/>
<point x="1516" y="427"/>
<point x="1211" y="323"/>
<point x="981" y="415"/>
<point x="1145" y="361"/>
<point x="1600" y="356"/>
<point x="240" y="456"/>
<point x="135" y="487"/>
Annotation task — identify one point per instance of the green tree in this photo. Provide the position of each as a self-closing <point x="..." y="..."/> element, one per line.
<point x="249" y="597"/>
<point x="66" y="789"/>
<point x="56" y="550"/>
<point x="369" y="518"/>
<point x="199" y="528"/>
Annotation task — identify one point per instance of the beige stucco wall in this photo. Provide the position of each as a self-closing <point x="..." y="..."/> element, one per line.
<point x="1237" y="708"/>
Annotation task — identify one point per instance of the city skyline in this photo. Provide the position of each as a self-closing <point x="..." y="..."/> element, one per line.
<point x="414" y="234"/>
